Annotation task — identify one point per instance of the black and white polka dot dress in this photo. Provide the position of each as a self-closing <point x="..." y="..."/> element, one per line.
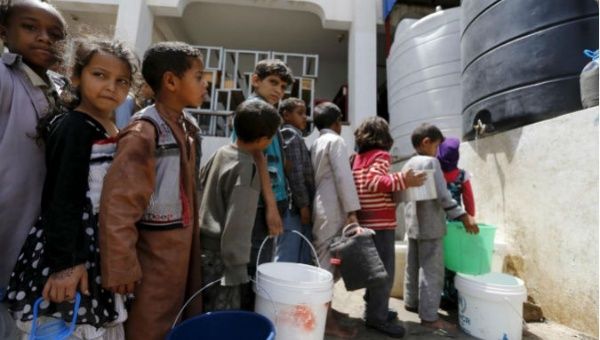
<point x="32" y="270"/>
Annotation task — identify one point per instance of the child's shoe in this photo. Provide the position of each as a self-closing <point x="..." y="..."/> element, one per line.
<point x="391" y="316"/>
<point x="390" y="328"/>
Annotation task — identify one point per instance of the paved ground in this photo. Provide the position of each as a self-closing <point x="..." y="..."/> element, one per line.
<point x="352" y="303"/>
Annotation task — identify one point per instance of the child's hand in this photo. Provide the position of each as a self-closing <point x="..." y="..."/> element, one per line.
<point x="305" y="216"/>
<point x="274" y="223"/>
<point x="351" y="218"/>
<point x="470" y="224"/>
<point x="124" y="289"/>
<point x="414" y="178"/>
<point x="62" y="286"/>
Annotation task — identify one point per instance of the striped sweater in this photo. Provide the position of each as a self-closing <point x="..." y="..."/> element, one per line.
<point x="375" y="185"/>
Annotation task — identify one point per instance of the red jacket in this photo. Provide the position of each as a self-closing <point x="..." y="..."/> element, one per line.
<point x="375" y="184"/>
<point x="467" y="191"/>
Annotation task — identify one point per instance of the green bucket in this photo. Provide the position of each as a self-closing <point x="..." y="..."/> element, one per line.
<point x="468" y="253"/>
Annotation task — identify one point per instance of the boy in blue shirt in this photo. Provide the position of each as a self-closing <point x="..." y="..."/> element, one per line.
<point x="269" y="81"/>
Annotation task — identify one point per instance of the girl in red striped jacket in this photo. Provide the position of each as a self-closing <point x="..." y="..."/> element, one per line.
<point x="375" y="185"/>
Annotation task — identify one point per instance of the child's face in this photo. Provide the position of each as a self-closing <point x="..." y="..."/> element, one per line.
<point x="296" y="117"/>
<point x="103" y="84"/>
<point x="271" y="88"/>
<point x="191" y="87"/>
<point x="33" y="31"/>
<point x="429" y="147"/>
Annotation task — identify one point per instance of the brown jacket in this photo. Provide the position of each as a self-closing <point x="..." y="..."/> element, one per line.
<point x="159" y="260"/>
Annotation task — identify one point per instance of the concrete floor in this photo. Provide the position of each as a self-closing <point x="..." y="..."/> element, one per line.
<point x="352" y="303"/>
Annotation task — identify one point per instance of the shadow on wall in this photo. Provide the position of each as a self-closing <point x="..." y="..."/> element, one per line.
<point x="505" y="142"/>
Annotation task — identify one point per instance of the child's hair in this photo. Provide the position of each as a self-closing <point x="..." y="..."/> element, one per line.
<point x="255" y="119"/>
<point x="290" y="104"/>
<point x="326" y="114"/>
<point x="168" y="56"/>
<point x="426" y="131"/>
<point x="82" y="52"/>
<point x="7" y="8"/>
<point x="373" y="133"/>
<point x="268" y="67"/>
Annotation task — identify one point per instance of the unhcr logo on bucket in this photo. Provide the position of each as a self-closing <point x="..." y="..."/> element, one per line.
<point x="464" y="321"/>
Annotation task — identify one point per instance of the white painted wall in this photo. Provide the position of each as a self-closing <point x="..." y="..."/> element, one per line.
<point x="332" y="75"/>
<point x="539" y="185"/>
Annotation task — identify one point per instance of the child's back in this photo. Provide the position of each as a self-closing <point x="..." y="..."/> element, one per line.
<point x="229" y="201"/>
<point x="426" y="224"/>
<point x="232" y="184"/>
<point x="427" y="219"/>
<point x="335" y="196"/>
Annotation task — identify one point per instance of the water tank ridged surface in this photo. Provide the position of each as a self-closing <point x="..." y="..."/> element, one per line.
<point x="521" y="59"/>
<point x="423" y="75"/>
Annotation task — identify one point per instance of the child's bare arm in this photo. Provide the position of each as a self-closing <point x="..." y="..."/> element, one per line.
<point x="351" y="218"/>
<point x="273" y="218"/>
<point x="470" y="224"/>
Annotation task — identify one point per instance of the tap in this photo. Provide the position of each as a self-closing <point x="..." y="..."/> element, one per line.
<point x="479" y="127"/>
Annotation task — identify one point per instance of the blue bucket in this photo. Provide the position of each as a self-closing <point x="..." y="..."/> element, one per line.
<point x="224" y="325"/>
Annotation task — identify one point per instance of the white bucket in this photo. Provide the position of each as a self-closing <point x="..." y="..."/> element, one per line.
<point x="425" y="192"/>
<point x="294" y="297"/>
<point x="490" y="306"/>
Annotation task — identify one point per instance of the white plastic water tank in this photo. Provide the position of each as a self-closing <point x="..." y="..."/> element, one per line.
<point x="423" y="77"/>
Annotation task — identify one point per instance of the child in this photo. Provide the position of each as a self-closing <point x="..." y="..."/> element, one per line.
<point x="148" y="208"/>
<point x="336" y="201"/>
<point x="458" y="180"/>
<point x="229" y="202"/>
<point x="291" y="248"/>
<point x="426" y="225"/>
<point x="270" y="79"/>
<point x="375" y="185"/>
<point x="459" y="185"/>
<point x="60" y="255"/>
<point x="31" y="30"/>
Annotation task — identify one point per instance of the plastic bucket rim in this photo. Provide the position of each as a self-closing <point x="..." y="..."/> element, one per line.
<point x="327" y="276"/>
<point x="465" y="284"/>
<point x="207" y="315"/>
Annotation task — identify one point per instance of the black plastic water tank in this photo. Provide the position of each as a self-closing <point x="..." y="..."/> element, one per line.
<point x="521" y="59"/>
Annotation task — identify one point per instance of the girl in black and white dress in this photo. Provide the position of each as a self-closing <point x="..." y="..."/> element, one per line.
<point x="61" y="256"/>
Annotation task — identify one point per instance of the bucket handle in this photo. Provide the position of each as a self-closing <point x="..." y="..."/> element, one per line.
<point x="516" y="312"/>
<point x="271" y="236"/>
<point x="191" y="298"/>
<point x="71" y="329"/>
<point x="295" y="232"/>
<point x="270" y="299"/>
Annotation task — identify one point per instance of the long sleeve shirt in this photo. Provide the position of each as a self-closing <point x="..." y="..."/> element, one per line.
<point x="375" y="185"/>
<point x="68" y="150"/>
<point x="336" y="194"/>
<point x="467" y="191"/>
<point x="228" y="208"/>
<point x="300" y="176"/>
<point x="427" y="219"/>
<point x="23" y="100"/>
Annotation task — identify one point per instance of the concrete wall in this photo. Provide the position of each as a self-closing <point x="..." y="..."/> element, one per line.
<point x="539" y="185"/>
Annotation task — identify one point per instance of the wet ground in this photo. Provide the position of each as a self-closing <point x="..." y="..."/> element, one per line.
<point x="352" y="303"/>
